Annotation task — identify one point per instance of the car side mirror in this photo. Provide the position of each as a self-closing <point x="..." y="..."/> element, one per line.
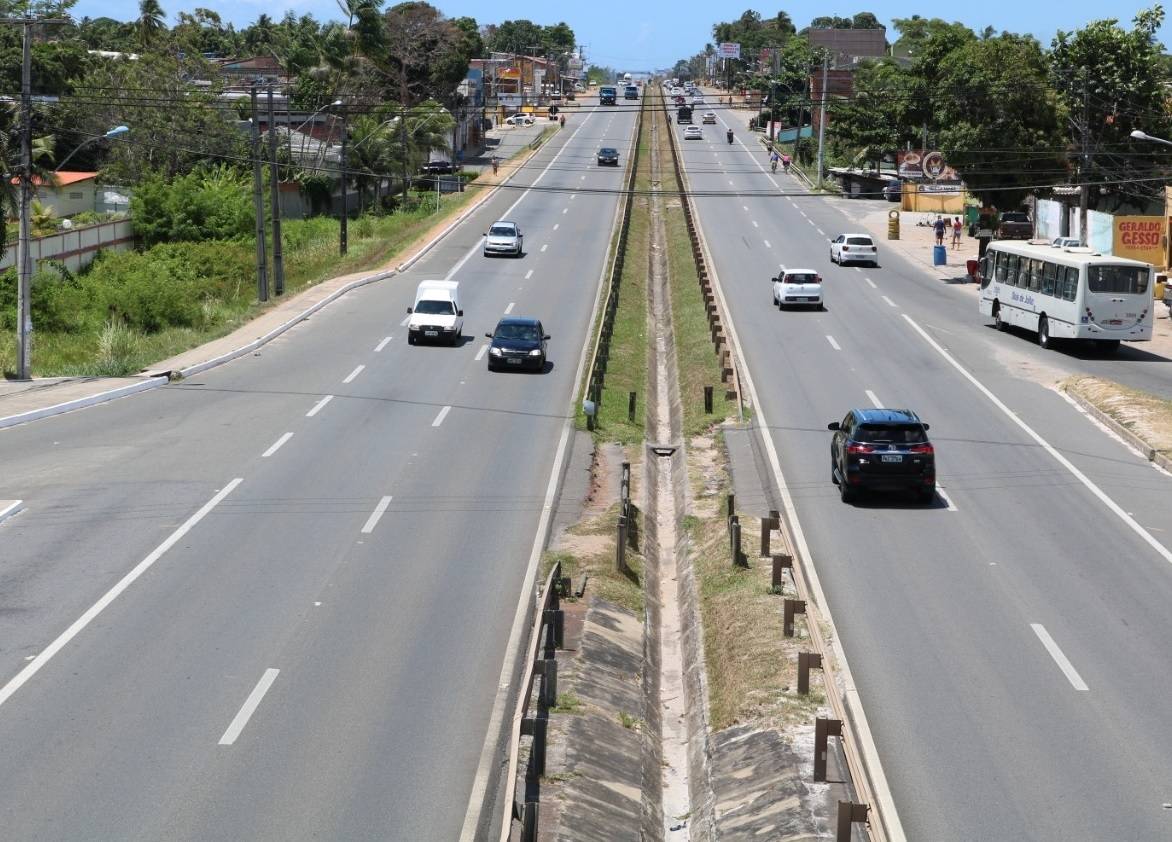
<point x="410" y="310"/>
<point x="460" y="313"/>
<point x="776" y="279"/>
<point x="833" y="425"/>
<point x="488" y="336"/>
<point x="927" y="426"/>
<point x="547" y="337"/>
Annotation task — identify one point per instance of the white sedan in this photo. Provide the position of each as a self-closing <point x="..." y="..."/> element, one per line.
<point x="693" y="133"/>
<point x="519" y="120"/>
<point x="854" y="248"/>
<point x="797" y="287"/>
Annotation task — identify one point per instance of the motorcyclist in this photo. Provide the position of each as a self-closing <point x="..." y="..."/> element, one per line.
<point x="773" y="159"/>
<point x="785" y="162"/>
<point x="562" y="121"/>
<point x="729" y="135"/>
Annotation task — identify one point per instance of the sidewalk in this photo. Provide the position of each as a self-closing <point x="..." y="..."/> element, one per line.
<point x="24" y="401"/>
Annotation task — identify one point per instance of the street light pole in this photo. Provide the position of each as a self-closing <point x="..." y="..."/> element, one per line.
<point x="24" y="290"/>
<point x="275" y="201"/>
<point x="343" y="232"/>
<point x="262" y="278"/>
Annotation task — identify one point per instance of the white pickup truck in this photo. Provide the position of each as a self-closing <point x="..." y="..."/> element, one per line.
<point x="797" y="287"/>
<point x="436" y="315"/>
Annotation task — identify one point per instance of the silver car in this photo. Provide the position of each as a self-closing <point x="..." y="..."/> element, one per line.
<point x="503" y="237"/>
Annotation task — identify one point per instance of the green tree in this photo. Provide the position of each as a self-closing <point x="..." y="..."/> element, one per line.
<point x="516" y="36"/>
<point x="152" y="23"/>
<point x="874" y="119"/>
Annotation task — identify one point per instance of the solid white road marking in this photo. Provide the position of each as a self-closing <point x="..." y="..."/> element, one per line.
<point x="1131" y="522"/>
<point x="509" y="309"/>
<point x="480" y="354"/>
<point x="9" y="507"/>
<point x="382" y="344"/>
<point x="439" y="419"/>
<point x="544" y="247"/>
<point x="872" y="283"/>
<point x="317" y="407"/>
<point x="833" y="343"/>
<point x="810" y="221"/>
<point x="350" y="377"/>
<point x="1059" y="658"/>
<point x="874" y="399"/>
<point x="802" y="212"/>
<point x="890" y="303"/>
<point x="276" y="445"/>
<point x="946" y="498"/>
<point x="125" y="582"/>
<point x="250" y="705"/>
<point x="376" y="515"/>
<point x="406" y="319"/>
<point x="820" y="231"/>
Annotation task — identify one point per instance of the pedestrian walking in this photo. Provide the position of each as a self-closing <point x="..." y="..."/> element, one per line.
<point x="938" y="227"/>
<point x="957" y="227"/>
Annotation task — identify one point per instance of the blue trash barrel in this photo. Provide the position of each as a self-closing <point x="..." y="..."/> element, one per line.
<point x="939" y="256"/>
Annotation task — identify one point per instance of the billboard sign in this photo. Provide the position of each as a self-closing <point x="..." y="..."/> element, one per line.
<point x="1139" y="238"/>
<point x="918" y="164"/>
<point x="729" y="49"/>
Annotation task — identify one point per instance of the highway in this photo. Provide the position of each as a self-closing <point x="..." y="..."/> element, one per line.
<point x="1010" y="641"/>
<point x="272" y="602"/>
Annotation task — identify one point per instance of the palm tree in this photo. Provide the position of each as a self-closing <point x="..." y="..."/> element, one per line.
<point x="151" y="21"/>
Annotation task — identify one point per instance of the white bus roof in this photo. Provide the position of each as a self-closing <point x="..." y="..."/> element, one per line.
<point x="1069" y="255"/>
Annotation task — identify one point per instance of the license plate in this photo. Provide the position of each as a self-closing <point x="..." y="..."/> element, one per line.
<point x="1114" y="321"/>
<point x="431" y="333"/>
<point x="810" y="298"/>
<point x="889" y="458"/>
<point x="513" y="360"/>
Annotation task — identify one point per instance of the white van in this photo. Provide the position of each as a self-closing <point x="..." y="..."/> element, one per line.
<point x="437" y="315"/>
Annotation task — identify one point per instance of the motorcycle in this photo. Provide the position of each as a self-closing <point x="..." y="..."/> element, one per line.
<point x="730" y="136"/>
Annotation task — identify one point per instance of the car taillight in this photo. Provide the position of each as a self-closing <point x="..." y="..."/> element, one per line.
<point x="817" y="279"/>
<point x="921" y="448"/>
<point x="859" y="448"/>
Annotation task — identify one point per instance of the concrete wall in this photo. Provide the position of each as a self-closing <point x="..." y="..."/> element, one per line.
<point x="75" y="248"/>
<point x="69" y="199"/>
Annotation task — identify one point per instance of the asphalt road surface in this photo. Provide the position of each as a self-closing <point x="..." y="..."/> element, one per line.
<point x="314" y="553"/>
<point x="1010" y="642"/>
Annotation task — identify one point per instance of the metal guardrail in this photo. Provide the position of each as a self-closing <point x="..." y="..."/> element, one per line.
<point x="540" y="662"/>
<point x="724" y="349"/>
<point x="614" y="275"/>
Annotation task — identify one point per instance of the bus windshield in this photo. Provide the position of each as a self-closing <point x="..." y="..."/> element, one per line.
<point x="1120" y="280"/>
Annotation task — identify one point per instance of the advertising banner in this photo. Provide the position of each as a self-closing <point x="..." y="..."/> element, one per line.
<point x="917" y="163"/>
<point x="1139" y="238"/>
<point x="729" y="49"/>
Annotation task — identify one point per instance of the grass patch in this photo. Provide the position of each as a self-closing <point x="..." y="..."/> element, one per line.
<point x="629" y="722"/>
<point x="752" y="666"/>
<point x="568" y="703"/>
<point x="1142" y="413"/>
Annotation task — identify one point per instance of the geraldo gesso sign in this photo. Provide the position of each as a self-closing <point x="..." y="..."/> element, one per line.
<point x="1139" y="238"/>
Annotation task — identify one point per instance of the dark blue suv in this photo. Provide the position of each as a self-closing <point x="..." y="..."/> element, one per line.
<point x="884" y="450"/>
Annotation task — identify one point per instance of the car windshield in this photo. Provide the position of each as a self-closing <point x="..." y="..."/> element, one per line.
<point x="526" y="332"/>
<point x="890" y="434"/>
<point x="802" y="278"/>
<point x="859" y="241"/>
<point x="1125" y="280"/>
<point x="1015" y="216"/>
<point x="502" y="231"/>
<point x="435" y="308"/>
<point x="606" y="150"/>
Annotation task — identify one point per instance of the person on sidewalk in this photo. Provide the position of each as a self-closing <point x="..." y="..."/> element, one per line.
<point x="938" y="227"/>
<point x="957" y="227"/>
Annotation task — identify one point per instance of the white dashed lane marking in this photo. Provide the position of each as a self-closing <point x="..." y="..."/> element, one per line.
<point x="350" y="377"/>
<point x="874" y="399"/>
<point x="890" y="303"/>
<point x="439" y="419"/>
<point x="317" y="407"/>
<point x="382" y="344"/>
<point x="276" y="445"/>
<point x="833" y="343"/>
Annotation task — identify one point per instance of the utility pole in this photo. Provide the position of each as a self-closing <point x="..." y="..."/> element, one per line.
<point x="1084" y="170"/>
<point x="403" y="142"/>
<point x="262" y="278"/>
<point x="822" y="120"/>
<point x="343" y="231"/>
<point x="275" y="201"/>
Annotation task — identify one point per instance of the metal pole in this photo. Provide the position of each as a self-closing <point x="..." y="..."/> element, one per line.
<point x="822" y="120"/>
<point x="24" y="325"/>
<point x="403" y="142"/>
<point x="1084" y="192"/>
<point x="262" y="279"/>
<point x="343" y="231"/>
<point x="275" y="201"/>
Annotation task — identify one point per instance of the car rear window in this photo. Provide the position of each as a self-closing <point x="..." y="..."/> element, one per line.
<point x="890" y="434"/>
<point x="859" y="241"/>
<point x="1014" y="216"/>
<point x="802" y="278"/>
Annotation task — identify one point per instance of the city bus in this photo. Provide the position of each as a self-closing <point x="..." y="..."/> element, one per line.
<point x="1067" y="293"/>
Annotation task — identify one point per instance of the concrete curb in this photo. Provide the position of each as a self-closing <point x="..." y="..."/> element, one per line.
<point x="8" y="508"/>
<point x="81" y="403"/>
<point x="1150" y="453"/>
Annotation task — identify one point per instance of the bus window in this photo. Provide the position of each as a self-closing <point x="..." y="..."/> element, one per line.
<point x="1002" y="262"/>
<point x="1032" y="271"/>
<point x="1011" y="269"/>
<point x="1067" y="285"/>
<point x="1049" y="270"/>
<point x="1120" y="280"/>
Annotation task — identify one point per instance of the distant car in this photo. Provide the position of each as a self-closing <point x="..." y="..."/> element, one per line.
<point x="678" y="100"/>
<point x="440" y="166"/>
<point x="883" y="450"/>
<point x="504" y="237"/>
<point x="517" y="342"/>
<point x="519" y="120"/>
<point x="893" y="191"/>
<point x="1065" y="242"/>
<point x="797" y="287"/>
<point x="854" y="248"/>
<point x="697" y="100"/>
<point x="1015" y="225"/>
<point x="709" y="117"/>
<point x="693" y="133"/>
<point x="608" y="156"/>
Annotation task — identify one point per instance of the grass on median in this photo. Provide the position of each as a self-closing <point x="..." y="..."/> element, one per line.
<point x="1142" y="413"/>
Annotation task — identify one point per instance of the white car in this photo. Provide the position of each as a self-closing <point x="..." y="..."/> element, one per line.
<point x="693" y="133"/>
<point x="797" y="288"/>
<point x="709" y="117"/>
<point x="854" y="248"/>
<point x="504" y="237"/>
<point x="1065" y="242"/>
<point x="519" y="120"/>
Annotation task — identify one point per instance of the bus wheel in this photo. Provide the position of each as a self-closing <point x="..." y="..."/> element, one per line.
<point x="1000" y="325"/>
<point x="1107" y="346"/>
<point x="1044" y="333"/>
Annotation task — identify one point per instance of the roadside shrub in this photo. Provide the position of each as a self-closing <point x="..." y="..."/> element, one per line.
<point x="206" y="204"/>
<point x="118" y="350"/>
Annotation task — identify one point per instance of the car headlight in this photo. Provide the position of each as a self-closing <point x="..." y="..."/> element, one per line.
<point x="536" y="352"/>
<point x="496" y="352"/>
<point x="412" y="327"/>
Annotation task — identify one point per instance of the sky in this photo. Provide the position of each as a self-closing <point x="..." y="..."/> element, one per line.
<point x="649" y="34"/>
